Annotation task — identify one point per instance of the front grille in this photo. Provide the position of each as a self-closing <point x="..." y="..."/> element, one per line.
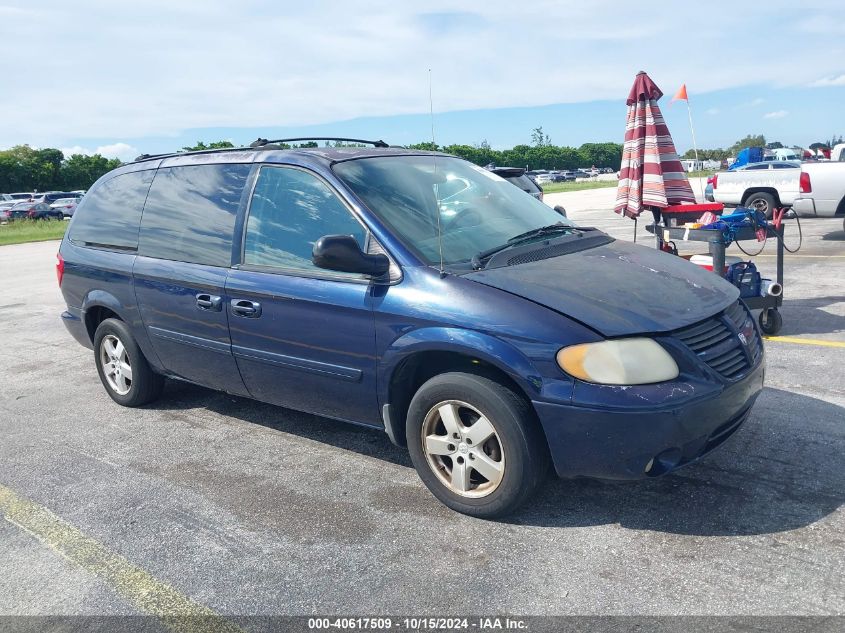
<point x="717" y="341"/>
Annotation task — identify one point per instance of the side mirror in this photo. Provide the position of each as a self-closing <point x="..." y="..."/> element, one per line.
<point x="343" y="254"/>
<point x="560" y="210"/>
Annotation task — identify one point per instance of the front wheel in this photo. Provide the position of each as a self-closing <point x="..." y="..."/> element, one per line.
<point x="123" y="369"/>
<point x="476" y="444"/>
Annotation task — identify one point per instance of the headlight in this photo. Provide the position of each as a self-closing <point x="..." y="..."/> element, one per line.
<point x="632" y="361"/>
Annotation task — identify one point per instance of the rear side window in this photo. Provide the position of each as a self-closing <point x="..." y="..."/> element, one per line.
<point x="109" y="215"/>
<point x="524" y="183"/>
<point x="190" y="213"/>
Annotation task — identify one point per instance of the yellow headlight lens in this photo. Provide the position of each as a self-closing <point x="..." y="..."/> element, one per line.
<point x="632" y="361"/>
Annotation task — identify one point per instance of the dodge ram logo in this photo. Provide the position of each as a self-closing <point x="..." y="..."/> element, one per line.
<point x="746" y="332"/>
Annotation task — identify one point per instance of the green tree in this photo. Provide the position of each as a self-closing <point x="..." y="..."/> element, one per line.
<point x="752" y="140"/>
<point x="774" y="145"/>
<point x="80" y="171"/>
<point x="601" y="155"/>
<point x="538" y="138"/>
<point x="200" y="146"/>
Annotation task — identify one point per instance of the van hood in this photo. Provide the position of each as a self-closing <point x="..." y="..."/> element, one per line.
<point x="617" y="289"/>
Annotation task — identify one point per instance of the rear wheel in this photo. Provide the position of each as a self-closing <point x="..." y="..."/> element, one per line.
<point x="123" y="369"/>
<point x="763" y="202"/>
<point x="476" y="444"/>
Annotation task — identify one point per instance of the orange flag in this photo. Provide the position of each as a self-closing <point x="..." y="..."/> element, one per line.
<point x="681" y="95"/>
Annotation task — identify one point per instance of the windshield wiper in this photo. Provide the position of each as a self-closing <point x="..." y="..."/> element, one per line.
<point x="551" y="229"/>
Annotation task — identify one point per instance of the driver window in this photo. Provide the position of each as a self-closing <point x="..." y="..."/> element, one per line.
<point x="290" y="210"/>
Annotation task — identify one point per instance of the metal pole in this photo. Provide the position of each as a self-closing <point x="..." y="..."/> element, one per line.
<point x="694" y="144"/>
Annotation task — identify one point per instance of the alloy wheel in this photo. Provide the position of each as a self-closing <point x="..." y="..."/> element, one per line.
<point x="115" y="363"/>
<point x="463" y="449"/>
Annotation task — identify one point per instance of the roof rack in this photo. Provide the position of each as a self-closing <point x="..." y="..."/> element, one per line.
<point x="261" y="142"/>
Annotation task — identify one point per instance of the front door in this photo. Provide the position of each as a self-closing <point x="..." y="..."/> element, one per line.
<point x="303" y="337"/>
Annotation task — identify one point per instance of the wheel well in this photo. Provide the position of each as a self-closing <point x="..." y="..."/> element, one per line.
<point x="96" y="315"/>
<point x="840" y="209"/>
<point x="415" y="370"/>
<point x="772" y="192"/>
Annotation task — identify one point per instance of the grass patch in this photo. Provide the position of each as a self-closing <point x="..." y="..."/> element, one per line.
<point x="558" y="187"/>
<point x="22" y="231"/>
<point x="700" y="174"/>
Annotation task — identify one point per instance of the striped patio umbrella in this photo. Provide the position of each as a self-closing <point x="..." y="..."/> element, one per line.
<point x="651" y="176"/>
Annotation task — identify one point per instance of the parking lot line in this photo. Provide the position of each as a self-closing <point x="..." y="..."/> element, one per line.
<point x="149" y="595"/>
<point x="805" y="341"/>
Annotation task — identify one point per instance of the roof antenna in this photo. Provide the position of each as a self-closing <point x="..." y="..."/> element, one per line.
<point x="436" y="185"/>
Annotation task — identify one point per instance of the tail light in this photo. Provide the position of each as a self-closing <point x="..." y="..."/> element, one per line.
<point x="804" y="185"/>
<point x="715" y="180"/>
<point x="60" y="267"/>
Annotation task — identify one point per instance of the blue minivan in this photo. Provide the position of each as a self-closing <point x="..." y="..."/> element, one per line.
<point x="416" y="293"/>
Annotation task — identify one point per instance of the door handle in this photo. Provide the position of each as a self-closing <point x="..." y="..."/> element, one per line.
<point x="246" y="308"/>
<point x="209" y="302"/>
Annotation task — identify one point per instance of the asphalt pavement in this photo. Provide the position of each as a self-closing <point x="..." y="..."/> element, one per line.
<point x="216" y="504"/>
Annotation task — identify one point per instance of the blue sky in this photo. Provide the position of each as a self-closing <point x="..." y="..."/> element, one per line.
<point x="153" y="76"/>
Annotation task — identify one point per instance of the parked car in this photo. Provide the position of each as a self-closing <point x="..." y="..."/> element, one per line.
<point x="23" y="196"/>
<point x="763" y="186"/>
<point x="5" y="210"/>
<point x="327" y="280"/>
<point x="517" y="176"/>
<point x="32" y="211"/>
<point x="65" y="206"/>
<point x="544" y="178"/>
<point x="51" y="196"/>
<point x="821" y="190"/>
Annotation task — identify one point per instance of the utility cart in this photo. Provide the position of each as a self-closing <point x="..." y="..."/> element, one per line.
<point x="770" y="318"/>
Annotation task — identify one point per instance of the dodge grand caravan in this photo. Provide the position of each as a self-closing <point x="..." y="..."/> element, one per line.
<point x="476" y="326"/>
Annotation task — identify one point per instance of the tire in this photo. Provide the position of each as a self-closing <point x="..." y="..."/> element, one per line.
<point x="142" y="385"/>
<point x="761" y="201"/>
<point x="513" y="453"/>
<point x="770" y="321"/>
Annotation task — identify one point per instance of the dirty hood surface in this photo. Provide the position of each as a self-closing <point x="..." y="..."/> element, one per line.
<point x="617" y="289"/>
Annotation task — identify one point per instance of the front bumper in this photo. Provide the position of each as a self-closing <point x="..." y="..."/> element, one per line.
<point x="620" y="444"/>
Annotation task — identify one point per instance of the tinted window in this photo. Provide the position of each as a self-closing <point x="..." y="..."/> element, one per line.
<point x="109" y="214"/>
<point x="290" y="210"/>
<point x="524" y="183"/>
<point x="757" y="167"/>
<point x="190" y="213"/>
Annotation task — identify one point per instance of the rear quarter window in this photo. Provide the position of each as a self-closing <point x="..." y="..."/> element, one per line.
<point x="109" y="215"/>
<point x="190" y="213"/>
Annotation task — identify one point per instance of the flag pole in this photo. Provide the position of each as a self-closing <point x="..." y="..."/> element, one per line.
<point x="694" y="145"/>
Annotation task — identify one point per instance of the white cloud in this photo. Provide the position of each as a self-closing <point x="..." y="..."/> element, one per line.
<point x="824" y="82"/>
<point x="156" y="68"/>
<point x="123" y="151"/>
<point x="777" y="114"/>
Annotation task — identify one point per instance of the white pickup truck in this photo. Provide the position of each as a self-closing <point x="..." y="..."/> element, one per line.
<point x="822" y="190"/>
<point x="763" y="186"/>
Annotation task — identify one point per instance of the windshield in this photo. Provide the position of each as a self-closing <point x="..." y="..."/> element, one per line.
<point x="476" y="209"/>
